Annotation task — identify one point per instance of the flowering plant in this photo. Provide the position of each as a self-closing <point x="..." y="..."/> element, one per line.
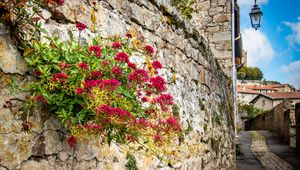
<point x="98" y="90"/>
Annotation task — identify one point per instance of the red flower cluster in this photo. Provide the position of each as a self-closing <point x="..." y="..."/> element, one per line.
<point x="116" y="45"/>
<point x="121" y="56"/>
<point x="63" y="66"/>
<point x="149" y="49"/>
<point x="79" y="90"/>
<point x="141" y="122"/>
<point x="37" y="73"/>
<point x="131" y="65"/>
<point x="138" y="76"/>
<point x="173" y="123"/>
<point x="158" y="138"/>
<point x="60" y="2"/>
<point x="108" y="110"/>
<point x="83" y="66"/>
<point x="158" y="83"/>
<point x="144" y="99"/>
<point x="110" y="84"/>
<point x="80" y="26"/>
<point x="61" y="77"/>
<point x="88" y="84"/>
<point x="93" y="126"/>
<point x="157" y="65"/>
<point x="96" y="74"/>
<point x="72" y="141"/>
<point x="128" y="35"/>
<point x="40" y="98"/>
<point x="117" y="71"/>
<point x="96" y="49"/>
<point x="164" y="100"/>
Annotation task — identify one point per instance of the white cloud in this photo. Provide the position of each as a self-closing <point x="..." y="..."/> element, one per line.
<point x="293" y="73"/>
<point x="258" y="46"/>
<point x="294" y="37"/>
<point x="251" y="2"/>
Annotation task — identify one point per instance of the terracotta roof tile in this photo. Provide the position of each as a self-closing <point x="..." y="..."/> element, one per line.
<point x="283" y="95"/>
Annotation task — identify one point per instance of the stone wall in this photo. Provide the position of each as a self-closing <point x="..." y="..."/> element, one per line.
<point x="202" y="91"/>
<point x="281" y="119"/>
<point x="213" y="20"/>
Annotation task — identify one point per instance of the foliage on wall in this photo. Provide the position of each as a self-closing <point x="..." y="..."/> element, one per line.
<point x="184" y="6"/>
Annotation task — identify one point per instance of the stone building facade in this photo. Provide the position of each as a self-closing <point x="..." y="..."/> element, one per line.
<point x="202" y="90"/>
<point x="212" y="20"/>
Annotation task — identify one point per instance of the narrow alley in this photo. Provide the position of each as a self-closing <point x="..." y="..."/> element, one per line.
<point x="263" y="150"/>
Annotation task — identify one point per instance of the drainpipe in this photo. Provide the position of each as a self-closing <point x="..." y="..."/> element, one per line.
<point x="234" y="76"/>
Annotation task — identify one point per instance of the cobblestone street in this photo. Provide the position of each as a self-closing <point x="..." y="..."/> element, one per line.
<point x="268" y="159"/>
<point x="257" y="155"/>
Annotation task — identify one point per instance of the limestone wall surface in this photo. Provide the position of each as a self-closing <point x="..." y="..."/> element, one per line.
<point x="202" y="90"/>
<point x="212" y="19"/>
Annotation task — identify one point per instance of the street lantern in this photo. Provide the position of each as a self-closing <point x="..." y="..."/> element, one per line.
<point x="255" y="16"/>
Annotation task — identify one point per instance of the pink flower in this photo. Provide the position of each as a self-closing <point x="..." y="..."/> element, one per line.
<point x="96" y="74"/>
<point x="80" y="26"/>
<point x="61" y="77"/>
<point x="96" y="49"/>
<point x="157" y="65"/>
<point x="116" y="45"/>
<point x="79" y="90"/>
<point x="158" y="83"/>
<point x="149" y="49"/>
<point x="131" y="65"/>
<point x="60" y="2"/>
<point x="72" y="141"/>
<point x="83" y="66"/>
<point x="121" y="56"/>
<point x="117" y="71"/>
<point x="138" y="76"/>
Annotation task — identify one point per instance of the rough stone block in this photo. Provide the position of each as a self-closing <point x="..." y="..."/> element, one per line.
<point x="222" y="18"/>
<point x="214" y="11"/>
<point x="10" y="59"/>
<point x="221" y="36"/>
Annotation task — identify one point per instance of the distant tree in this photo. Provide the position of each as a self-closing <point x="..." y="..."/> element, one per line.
<point x="267" y="82"/>
<point x="251" y="110"/>
<point x="250" y="73"/>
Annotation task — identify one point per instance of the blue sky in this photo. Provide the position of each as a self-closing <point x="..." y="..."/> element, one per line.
<point x="275" y="46"/>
